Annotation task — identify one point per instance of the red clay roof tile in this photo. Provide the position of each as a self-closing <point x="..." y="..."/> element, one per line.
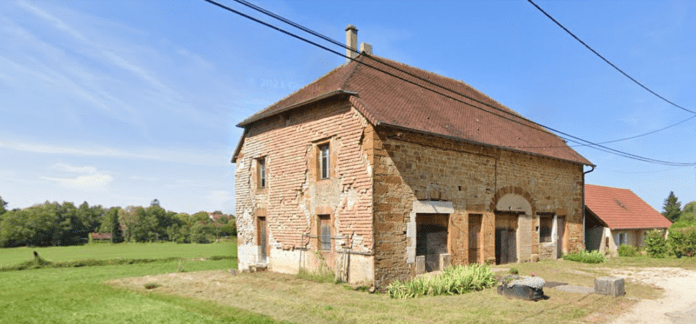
<point x="622" y="209"/>
<point x="386" y="100"/>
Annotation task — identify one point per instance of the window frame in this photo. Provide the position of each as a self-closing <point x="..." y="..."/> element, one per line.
<point x="550" y="228"/>
<point x="324" y="155"/>
<point x="321" y="243"/>
<point x="261" y="173"/>
<point x="625" y="240"/>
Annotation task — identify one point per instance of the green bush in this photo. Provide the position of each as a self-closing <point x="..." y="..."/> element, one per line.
<point x="454" y="280"/>
<point x="626" y="250"/>
<point x="585" y="257"/>
<point x="683" y="224"/>
<point x="656" y="244"/>
<point x="514" y="271"/>
<point x="683" y="241"/>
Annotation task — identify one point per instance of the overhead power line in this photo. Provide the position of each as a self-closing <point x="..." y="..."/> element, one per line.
<point x="338" y="43"/>
<point x="571" y="138"/>
<point x="607" y="61"/>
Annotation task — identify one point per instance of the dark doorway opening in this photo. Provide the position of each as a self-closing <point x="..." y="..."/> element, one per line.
<point x="475" y="221"/>
<point x="505" y="238"/>
<point x="262" y="239"/>
<point x="431" y="238"/>
<point x="561" y="235"/>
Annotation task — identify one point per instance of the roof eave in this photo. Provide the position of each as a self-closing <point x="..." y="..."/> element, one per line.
<point x="378" y="123"/>
<point x="297" y="105"/>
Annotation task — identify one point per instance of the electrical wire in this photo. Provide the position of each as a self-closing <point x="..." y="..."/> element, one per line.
<point x="607" y="61"/>
<point x="571" y="138"/>
<point x="338" y="43"/>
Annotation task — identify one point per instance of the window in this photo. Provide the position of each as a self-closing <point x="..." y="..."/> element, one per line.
<point x="623" y="238"/>
<point x="324" y="229"/>
<point x="324" y="161"/>
<point x="545" y="228"/>
<point x="261" y="168"/>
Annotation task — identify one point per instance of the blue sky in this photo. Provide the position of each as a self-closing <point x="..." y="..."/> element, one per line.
<point x="121" y="102"/>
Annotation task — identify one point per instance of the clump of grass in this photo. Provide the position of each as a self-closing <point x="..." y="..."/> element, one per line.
<point x="626" y="250"/>
<point x="585" y="257"/>
<point x="151" y="285"/>
<point x="514" y="271"/>
<point x="322" y="274"/>
<point x="454" y="280"/>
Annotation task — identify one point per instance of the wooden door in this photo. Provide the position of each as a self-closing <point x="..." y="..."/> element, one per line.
<point x="505" y="238"/>
<point x="474" y="238"/>
<point x="561" y="235"/>
<point x="263" y="238"/>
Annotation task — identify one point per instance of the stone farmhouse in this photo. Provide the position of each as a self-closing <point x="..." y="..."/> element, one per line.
<point x="616" y="216"/>
<point x="379" y="179"/>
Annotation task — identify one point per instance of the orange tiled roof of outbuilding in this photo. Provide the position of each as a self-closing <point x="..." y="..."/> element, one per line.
<point x="622" y="209"/>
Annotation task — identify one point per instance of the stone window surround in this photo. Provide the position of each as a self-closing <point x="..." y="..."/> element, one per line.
<point x="423" y="207"/>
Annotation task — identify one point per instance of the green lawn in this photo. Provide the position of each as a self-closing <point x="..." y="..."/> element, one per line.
<point x="12" y="256"/>
<point x="78" y="295"/>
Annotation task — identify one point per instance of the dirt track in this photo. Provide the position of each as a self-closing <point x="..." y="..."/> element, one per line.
<point x="678" y="305"/>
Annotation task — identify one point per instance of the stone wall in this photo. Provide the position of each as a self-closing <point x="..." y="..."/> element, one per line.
<point x="294" y="194"/>
<point x="410" y="167"/>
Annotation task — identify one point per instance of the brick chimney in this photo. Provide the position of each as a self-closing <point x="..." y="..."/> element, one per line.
<point x="351" y="42"/>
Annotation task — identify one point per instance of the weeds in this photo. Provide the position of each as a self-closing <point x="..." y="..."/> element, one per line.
<point x="585" y="257"/>
<point x="514" y="271"/>
<point x="151" y="285"/>
<point x="627" y="250"/>
<point x="454" y="280"/>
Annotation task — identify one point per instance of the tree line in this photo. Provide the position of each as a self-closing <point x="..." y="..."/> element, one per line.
<point x="55" y="224"/>
<point x="672" y="210"/>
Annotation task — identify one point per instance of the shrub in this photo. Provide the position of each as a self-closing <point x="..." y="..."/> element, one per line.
<point x="656" y="244"/>
<point x="454" y="280"/>
<point x="514" y="271"/>
<point x="683" y="241"/>
<point x="585" y="257"/>
<point x="626" y="250"/>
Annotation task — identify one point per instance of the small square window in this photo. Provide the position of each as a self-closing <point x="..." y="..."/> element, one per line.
<point x="261" y="168"/>
<point x="324" y="229"/>
<point x="324" y="161"/>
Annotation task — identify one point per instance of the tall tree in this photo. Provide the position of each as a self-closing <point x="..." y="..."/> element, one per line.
<point x="2" y="206"/>
<point x="672" y="207"/>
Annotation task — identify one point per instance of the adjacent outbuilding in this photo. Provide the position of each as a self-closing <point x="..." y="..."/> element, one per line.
<point x="615" y="216"/>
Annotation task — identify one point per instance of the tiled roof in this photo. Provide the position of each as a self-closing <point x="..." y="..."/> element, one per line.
<point x="622" y="209"/>
<point x="386" y="100"/>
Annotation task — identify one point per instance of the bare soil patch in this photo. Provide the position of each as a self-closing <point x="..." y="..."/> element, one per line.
<point x="677" y="305"/>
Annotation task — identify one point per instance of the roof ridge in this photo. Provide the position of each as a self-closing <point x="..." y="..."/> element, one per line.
<point x="459" y="93"/>
<point x="271" y="106"/>
<point x="350" y="75"/>
<point x="589" y="184"/>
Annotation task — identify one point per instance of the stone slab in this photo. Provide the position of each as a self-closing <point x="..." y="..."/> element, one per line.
<point x="610" y="286"/>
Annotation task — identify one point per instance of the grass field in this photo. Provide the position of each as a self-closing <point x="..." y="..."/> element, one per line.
<point x="207" y="293"/>
<point x="12" y="256"/>
<point x="285" y="297"/>
<point x="78" y="295"/>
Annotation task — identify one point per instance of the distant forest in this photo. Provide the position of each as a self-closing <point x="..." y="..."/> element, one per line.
<point x="55" y="224"/>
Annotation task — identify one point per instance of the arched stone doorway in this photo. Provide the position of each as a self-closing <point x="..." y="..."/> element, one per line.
<point x="513" y="211"/>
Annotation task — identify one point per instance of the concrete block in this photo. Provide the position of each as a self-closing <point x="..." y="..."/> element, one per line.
<point x="445" y="261"/>
<point x="611" y="286"/>
<point x="420" y="264"/>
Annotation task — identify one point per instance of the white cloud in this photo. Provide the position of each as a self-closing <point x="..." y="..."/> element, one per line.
<point x="74" y="169"/>
<point x="97" y="181"/>
<point x="154" y="154"/>
<point x="151" y="179"/>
